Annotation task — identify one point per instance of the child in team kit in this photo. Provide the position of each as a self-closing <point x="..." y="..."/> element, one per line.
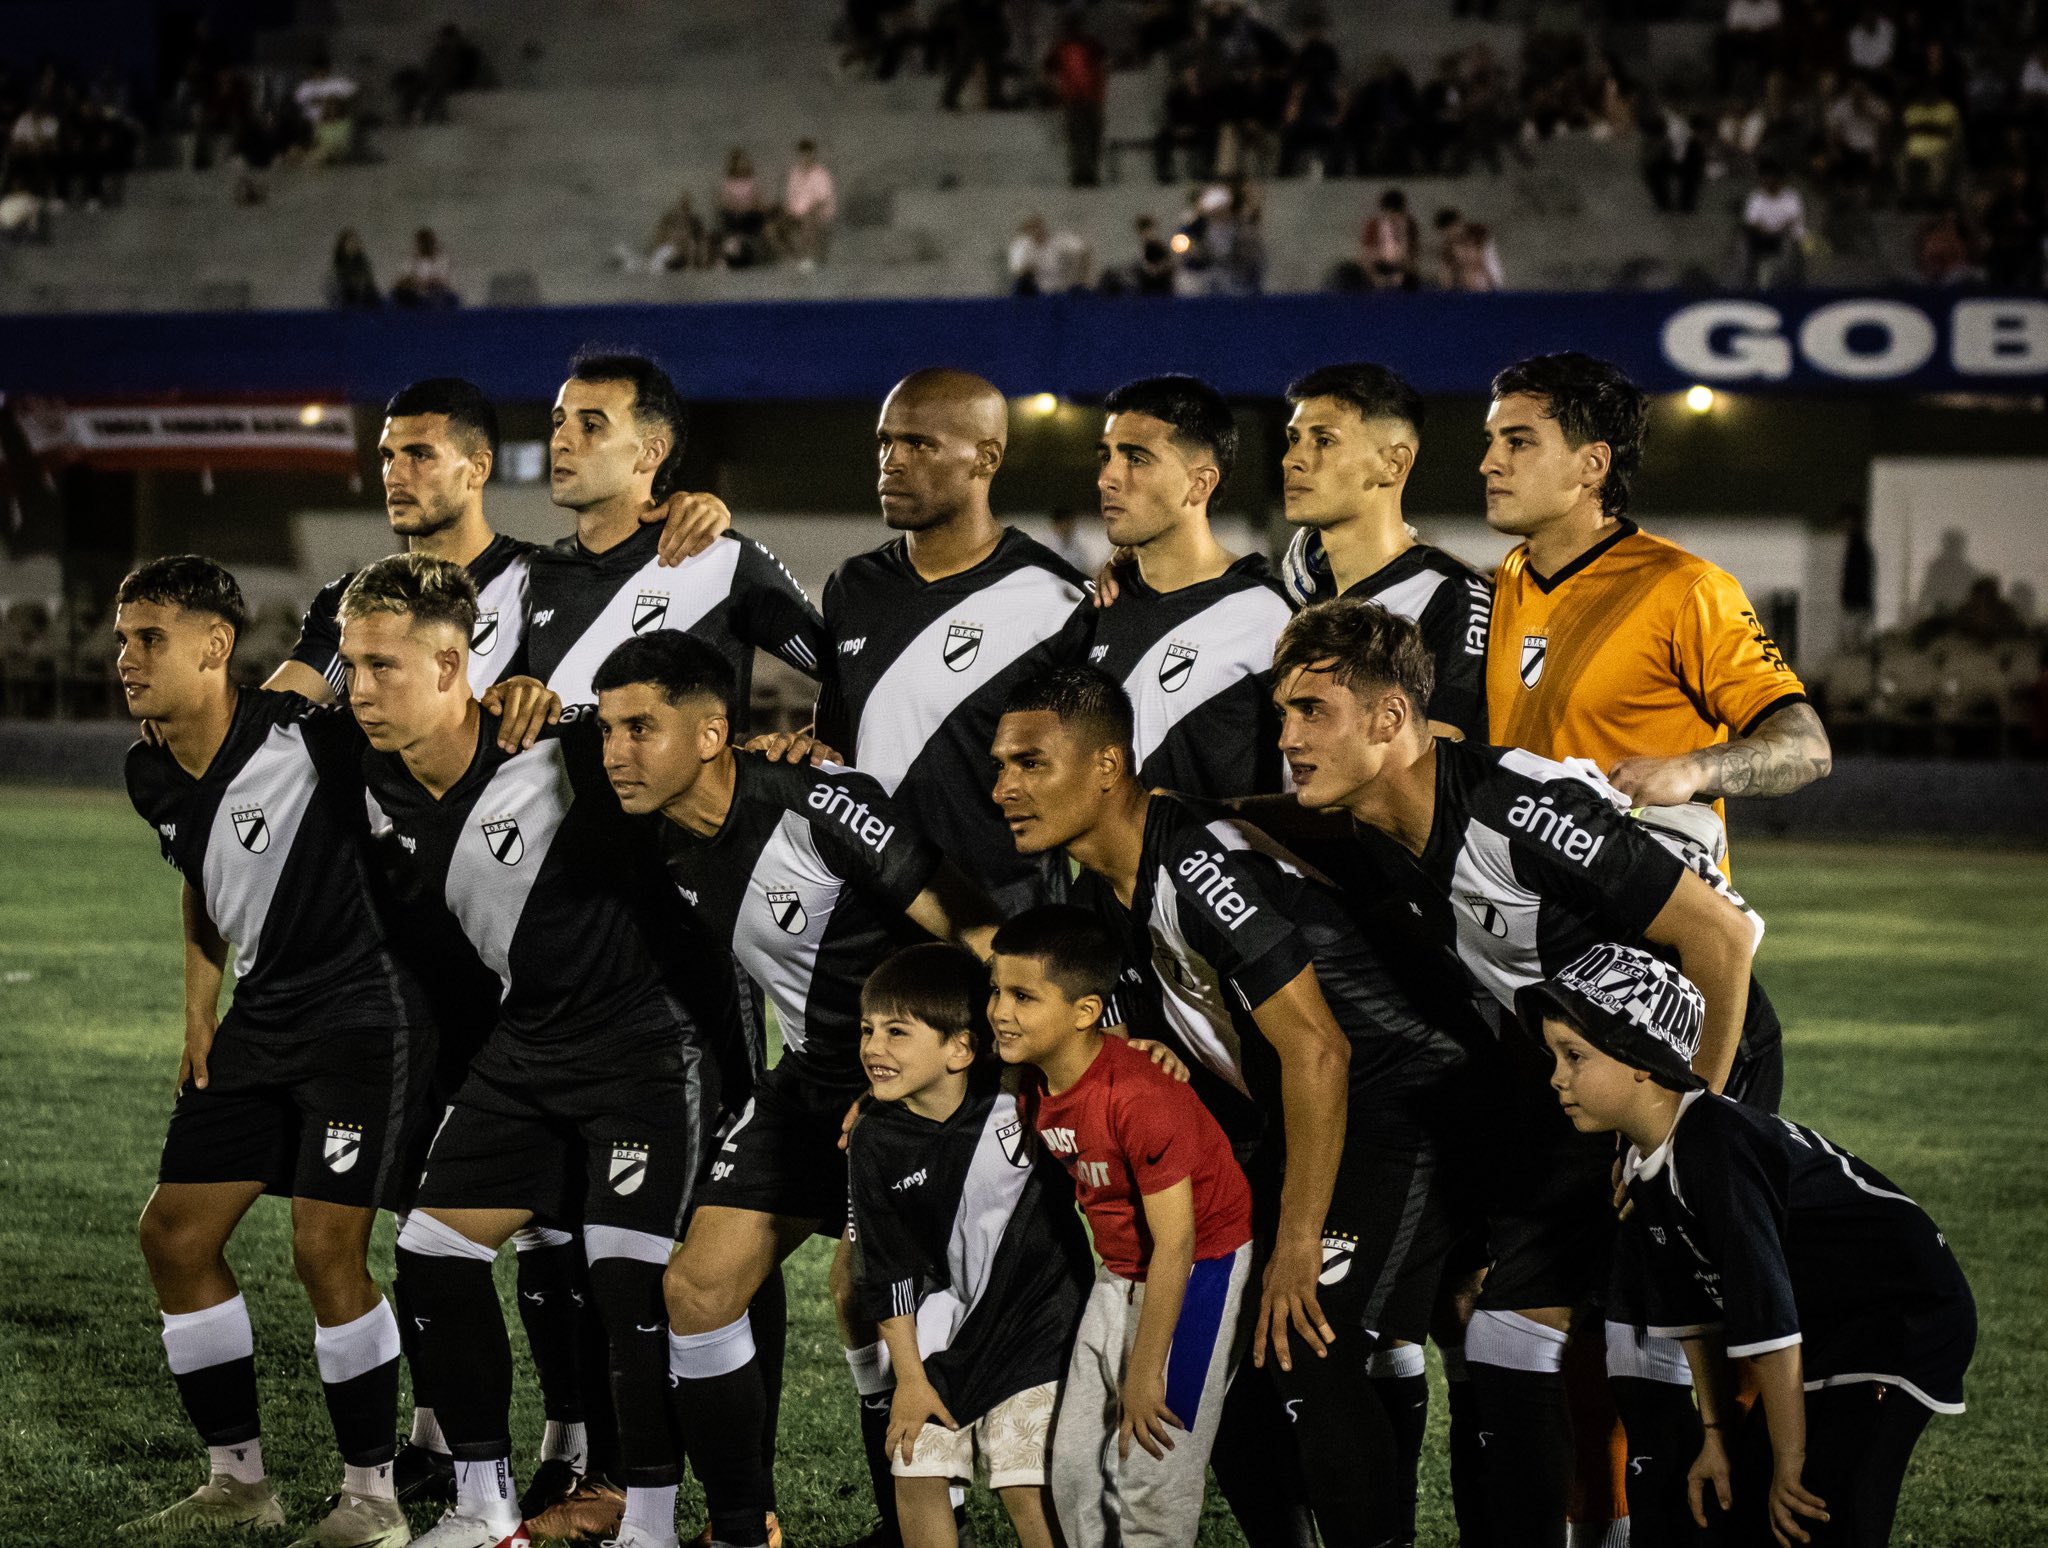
<point x="1172" y="1219"/>
<point x="1757" y="1239"/>
<point x="968" y="1252"/>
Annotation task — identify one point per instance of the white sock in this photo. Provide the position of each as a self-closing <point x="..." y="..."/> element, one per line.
<point x="1399" y="1360"/>
<point x="242" y="1461"/>
<point x="426" y="1431"/>
<point x="483" y="1490"/>
<point x="369" y="1483"/>
<point x="565" y="1441"/>
<point x="870" y="1367"/>
<point x="653" y="1511"/>
<point x="355" y="1348"/>
<point x="1599" y="1534"/>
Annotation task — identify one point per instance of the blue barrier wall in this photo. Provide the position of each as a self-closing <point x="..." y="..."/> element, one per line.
<point x="1079" y="346"/>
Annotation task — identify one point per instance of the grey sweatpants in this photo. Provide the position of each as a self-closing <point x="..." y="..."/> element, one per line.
<point x="1144" y="1502"/>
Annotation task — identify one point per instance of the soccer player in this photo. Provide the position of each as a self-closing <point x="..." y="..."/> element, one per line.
<point x="1511" y="866"/>
<point x="1171" y="1218"/>
<point x="814" y="875"/>
<point x="1191" y="633"/>
<point x="1267" y="979"/>
<point x="1762" y="1241"/>
<point x="306" y="1087"/>
<point x="1352" y="441"/>
<point x="616" y="451"/>
<point x="591" y="1103"/>
<point x="928" y="631"/>
<point x="972" y="1259"/>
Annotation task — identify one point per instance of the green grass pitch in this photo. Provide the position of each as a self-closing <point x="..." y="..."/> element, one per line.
<point x="1912" y="981"/>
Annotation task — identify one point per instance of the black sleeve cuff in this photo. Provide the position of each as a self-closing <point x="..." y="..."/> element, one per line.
<point x="1769" y="710"/>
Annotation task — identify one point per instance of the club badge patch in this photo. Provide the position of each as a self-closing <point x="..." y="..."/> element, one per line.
<point x="1490" y="918"/>
<point x="963" y="644"/>
<point x="628" y="1169"/>
<point x="1338" y="1251"/>
<point x="251" y="829"/>
<point x="1534" y="648"/>
<point x="787" y="908"/>
<point x="1014" y="1138"/>
<point x="1177" y="667"/>
<point x="501" y="836"/>
<point x="344" y="1143"/>
<point x="649" y="609"/>
<point x="485" y="634"/>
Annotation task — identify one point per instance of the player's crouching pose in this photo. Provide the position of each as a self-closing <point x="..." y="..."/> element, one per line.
<point x="1761" y="1242"/>
<point x="591" y="1101"/>
<point x="971" y="1256"/>
<point x="305" y="1088"/>
<point x="1171" y="1215"/>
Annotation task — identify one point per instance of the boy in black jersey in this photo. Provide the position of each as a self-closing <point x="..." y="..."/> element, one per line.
<point x="1761" y="1242"/>
<point x="1269" y="983"/>
<point x="1190" y="636"/>
<point x="309" y="1086"/>
<point x="1352" y="441"/>
<point x="814" y="876"/>
<point x="972" y="1258"/>
<point x="591" y="1102"/>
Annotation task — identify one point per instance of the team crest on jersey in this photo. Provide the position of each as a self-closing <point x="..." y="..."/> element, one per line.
<point x="502" y="837"/>
<point x="1014" y="1138"/>
<point x="1490" y="918"/>
<point x="344" y="1143"/>
<point x="1338" y="1251"/>
<point x="649" y="609"/>
<point x="1177" y="667"/>
<point x="629" y="1168"/>
<point x="787" y="909"/>
<point x="485" y="634"/>
<point x="963" y="644"/>
<point x="251" y="829"/>
<point x="1534" y="648"/>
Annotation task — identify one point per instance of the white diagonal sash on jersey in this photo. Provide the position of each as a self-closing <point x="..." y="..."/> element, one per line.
<point x="780" y="961"/>
<point x="503" y="600"/>
<point x="487" y="893"/>
<point x="1234" y="638"/>
<point x="912" y="699"/>
<point x="1496" y="915"/>
<point x="692" y="589"/>
<point x="267" y="799"/>
<point x="988" y="1197"/>
<point x="1191" y="992"/>
<point x="1407" y="598"/>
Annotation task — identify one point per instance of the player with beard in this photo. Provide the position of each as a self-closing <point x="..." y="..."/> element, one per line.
<point x="1191" y="633"/>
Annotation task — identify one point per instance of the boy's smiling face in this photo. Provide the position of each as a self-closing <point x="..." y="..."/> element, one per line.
<point x="903" y="1056"/>
<point x="1597" y="1091"/>
<point x="1030" y="1014"/>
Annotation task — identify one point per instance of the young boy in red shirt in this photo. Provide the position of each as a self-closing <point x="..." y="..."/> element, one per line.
<point x="1172" y="1219"/>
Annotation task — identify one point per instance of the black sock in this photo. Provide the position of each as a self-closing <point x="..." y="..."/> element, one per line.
<point x="1664" y="1436"/>
<point x="769" y="1316"/>
<point x="1257" y="1470"/>
<point x="551" y="1287"/>
<point x="465" y="1350"/>
<point x="874" y="1436"/>
<point x="1468" y="1467"/>
<point x="409" y="1341"/>
<point x="358" y="1364"/>
<point x="1406" y="1402"/>
<point x="1526" y="1439"/>
<point x="628" y="1296"/>
<point x="600" y="1417"/>
<point x="715" y="1382"/>
<point x="212" y="1359"/>
<point x="1346" y="1443"/>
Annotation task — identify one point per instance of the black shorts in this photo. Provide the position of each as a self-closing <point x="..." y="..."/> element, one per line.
<point x="1550" y="1205"/>
<point x="615" y="1142"/>
<point x="335" y="1116"/>
<point x="780" y="1155"/>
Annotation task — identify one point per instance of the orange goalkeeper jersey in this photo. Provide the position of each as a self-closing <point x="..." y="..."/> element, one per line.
<point x="1635" y="649"/>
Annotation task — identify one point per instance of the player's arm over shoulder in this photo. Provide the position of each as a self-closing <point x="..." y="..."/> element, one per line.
<point x="1777" y="743"/>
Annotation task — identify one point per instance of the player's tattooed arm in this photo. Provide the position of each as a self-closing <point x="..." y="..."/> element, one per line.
<point x="206" y="960"/>
<point x="1788" y="751"/>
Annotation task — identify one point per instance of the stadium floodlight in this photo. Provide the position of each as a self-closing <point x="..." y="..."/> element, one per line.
<point x="1700" y="399"/>
<point x="1044" y="404"/>
<point x="312" y="414"/>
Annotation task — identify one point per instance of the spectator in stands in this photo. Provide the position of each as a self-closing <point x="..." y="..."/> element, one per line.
<point x="1941" y="251"/>
<point x="1855" y="126"/>
<point x="1467" y="258"/>
<point x="1738" y="137"/>
<point x="981" y="49"/>
<point x="678" y="242"/>
<point x="742" y="216"/>
<point x="24" y="213"/>
<point x="1932" y="131"/>
<point x="1379" y="122"/>
<point x="1949" y="575"/>
<point x="1078" y="67"/>
<point x="1188" y="126"/>
<point x="1237" y="239"/>
<point x="1148" y="274"/>
<point x="1872" y="44"/>
<point x="1773" y="231"/>
<point x="1858" y="594"/>
<point x="1388" y="244"/>
<point x="1044" y="262"/>
<point x="1751" y="38"/>
<point x="424" y="279"/>
<point x="1309" y="140"/>
<point x="328" y="99"/>
<point x="1986" y="618"/>
<point x="35" y="141"/>
<point x="810" y="204"/>
<point x="1676" y="164"/>
<point x="350" y="281"/>
<point x="454" y="63"/>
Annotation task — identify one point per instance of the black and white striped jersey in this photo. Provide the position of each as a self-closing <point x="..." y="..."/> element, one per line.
<point x="969" y="1226"/>
<point x="271" y="837"/>
<point x="561" y="894"/>
<point x="1762" y="1228"/>
<point x="1528" y="864"/>
<point x="735" y="594"/>
<point x="500" y="576"/>
<point x="1451" y="603"/>
<point x="1196" y="664"/>
<point x="916" y="682"/>
<point x="1227" y="917"/>
<point x="808" y="879"/>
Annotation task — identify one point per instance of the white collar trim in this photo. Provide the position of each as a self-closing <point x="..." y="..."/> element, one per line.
<point x="1640" y="1165"/>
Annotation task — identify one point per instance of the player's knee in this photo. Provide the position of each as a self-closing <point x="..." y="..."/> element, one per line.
<point x="698" y="1302"/>
<point x="175" y="1245"/>
<point x="327" y="1252"/>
